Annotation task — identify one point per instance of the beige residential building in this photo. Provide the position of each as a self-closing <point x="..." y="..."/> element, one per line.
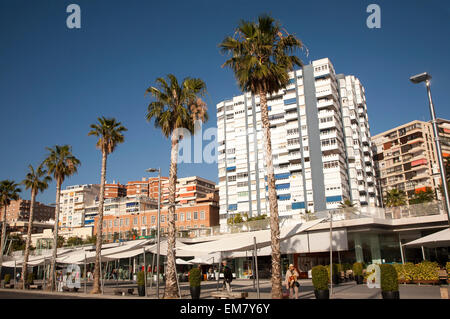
<point x="405" y="157"/>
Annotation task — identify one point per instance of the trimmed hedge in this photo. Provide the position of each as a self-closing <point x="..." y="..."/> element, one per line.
<point x="389" y="278"/>
<point x="140" y="278"/>
<point x="320" y="277"/>
<point x="357" y="269"/>
<point x="7" y="279"/>
<point x="195" y="277"/>
<point x="406" y="272"/>
<point x="427" y="270"/>
<point x="447" y="266"/>
<point x="30" y="279"/>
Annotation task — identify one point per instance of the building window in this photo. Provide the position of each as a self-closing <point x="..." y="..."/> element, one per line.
<point x="144" y="220"/>
<point x="202" y="215"/>
<point x="121" y="222"/>
<point x="163" y="218"/>
<point x="181" y="217"/>
<point x="110" y="223"/>
<point x="176" y="217"/>
<point x="195" y="215"/>
<point x="126" y="222"/>
<point x="116" y="222"/>
<point x="135" y="221"/>
<point x="188" y="216"/>
<point x="153" y="219"/>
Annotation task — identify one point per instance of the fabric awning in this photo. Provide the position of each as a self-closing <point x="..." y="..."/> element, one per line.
<point x="245" y="241"/>
<point x="439" y="239"/>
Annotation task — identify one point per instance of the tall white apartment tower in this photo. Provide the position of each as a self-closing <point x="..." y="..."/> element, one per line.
<point x="320" y="142"/>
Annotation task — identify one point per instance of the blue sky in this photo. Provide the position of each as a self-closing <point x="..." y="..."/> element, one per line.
<point x="55" y="82"/>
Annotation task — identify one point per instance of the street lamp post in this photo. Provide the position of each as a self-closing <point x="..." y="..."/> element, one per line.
<point x="158" y="245"/>
<point x="425" y="77"/>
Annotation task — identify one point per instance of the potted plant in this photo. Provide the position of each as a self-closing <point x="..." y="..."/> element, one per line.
<point x="320" y="282"/>
<point x="6" y="280"/>
<point x="389" y="282"/>
<point x="447" y="267"/>
<point x="141" y="283"/>
<point x="195" y="278"/>
<point x="358" y="273"/>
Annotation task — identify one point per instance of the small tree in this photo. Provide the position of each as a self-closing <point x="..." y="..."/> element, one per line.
<point x="74" y="241"/>
<point x="195" y="277"/>
<point x="320" y="277"/>
<point x="357" y="269"/>
<point x="389" y="278"/>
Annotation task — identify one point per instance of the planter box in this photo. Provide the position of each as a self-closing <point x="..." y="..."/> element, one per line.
<point x="426" y="282"/>
<point x="401" y="281"/>
<point x="390" y="294"/>
<point x="322" y="294"/>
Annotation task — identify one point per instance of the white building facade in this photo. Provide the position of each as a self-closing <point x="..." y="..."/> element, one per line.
<point x="74" y="200"/>
<point x="320" y="143"/>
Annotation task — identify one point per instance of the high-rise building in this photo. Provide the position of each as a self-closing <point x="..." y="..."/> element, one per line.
<point x="320" y="143"/>
<point x="19" y="210"/>
<point x="115" y="190"/>
<point x="73" y="201"/>
<point x="406" y="158"/>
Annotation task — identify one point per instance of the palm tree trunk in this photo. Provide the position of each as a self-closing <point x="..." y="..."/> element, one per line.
<point x="27" y="246"/>
<point x="171" y="290"/>
<point x="55" y="236"/>
<point x="98" y="248"/>
<point x="3" y="241"/>
<point x="273" y="202"/>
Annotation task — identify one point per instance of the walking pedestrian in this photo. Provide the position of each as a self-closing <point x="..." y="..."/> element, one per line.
<point x="291" y="281"/>
<point x="227" y="277"/>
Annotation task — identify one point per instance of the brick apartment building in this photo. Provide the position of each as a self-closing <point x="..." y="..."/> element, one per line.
<point x="115" y="190"/>
<point x="19" y="210"/>
<point x="405" y="157"/>
<point x="203" y="213"/>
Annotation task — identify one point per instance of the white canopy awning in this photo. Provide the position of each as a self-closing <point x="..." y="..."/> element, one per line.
<point x="207" y="259"/>
<point x="180" y="261"/>
<point x="439" y="239"/>
<point x="245" y="241"/>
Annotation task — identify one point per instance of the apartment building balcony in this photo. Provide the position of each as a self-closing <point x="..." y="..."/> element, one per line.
<point x="293" y="146"/>
<point x="295" y="167"/>
<point x="290" y="116"/>
<point x="294" y="156"/>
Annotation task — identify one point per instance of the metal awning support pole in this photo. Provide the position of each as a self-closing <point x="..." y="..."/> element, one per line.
<point x="178" y="284"/>
<point x="145" y="273"/>
<point x="256" y="266"/>
<point x="253" y="269"/>
<point x="218" y="272"/>
<point x="401" y="250"/>
<point x="423" y="253"/>
<point x="15" y="279"/>
<point x="153" y="267"/>
<point x="85" y="275"/>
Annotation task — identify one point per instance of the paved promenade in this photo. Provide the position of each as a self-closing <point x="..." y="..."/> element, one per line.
<point x="347" y="290"/>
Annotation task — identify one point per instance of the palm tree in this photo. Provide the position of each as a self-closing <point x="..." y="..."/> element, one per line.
<point x="36" y="181"/>
<point x="395" y="198"/>
<point x="9" y="191"/>
<point x="175" y="108"/>
<point x="109" y="133"/>
<point x="424" y="196"/>
<point x="60" y="163"/>
<point x="261" y="61"/>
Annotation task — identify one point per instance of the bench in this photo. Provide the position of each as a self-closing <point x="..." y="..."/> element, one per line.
<point x="231" y="295"/>
<point x="9" y="285"/>
<point x="443" y="276"/>
<point x="35" y="286"/>
<point x="123" y="291"/>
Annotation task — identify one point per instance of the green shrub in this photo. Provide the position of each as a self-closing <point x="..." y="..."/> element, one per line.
<point x="195" y="277"/>
<point x="141" y="278"/>
<point x="427" y="270"/>
<point x="335" y="270"/>
<point x="357" y="269"/>
<point x="447" y="266"/>
<point x="346" y="266"/>
<point x="320" y="277"/>
<point x="389" y="278"/>
<point x="406" y="271"/>
<point x="30" y="278"/>
<point x="7" y="278"/>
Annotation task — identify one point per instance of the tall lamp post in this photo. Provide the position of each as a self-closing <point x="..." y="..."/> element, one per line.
<point x="158" y="246"/>
<point x="425" y="77"/>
